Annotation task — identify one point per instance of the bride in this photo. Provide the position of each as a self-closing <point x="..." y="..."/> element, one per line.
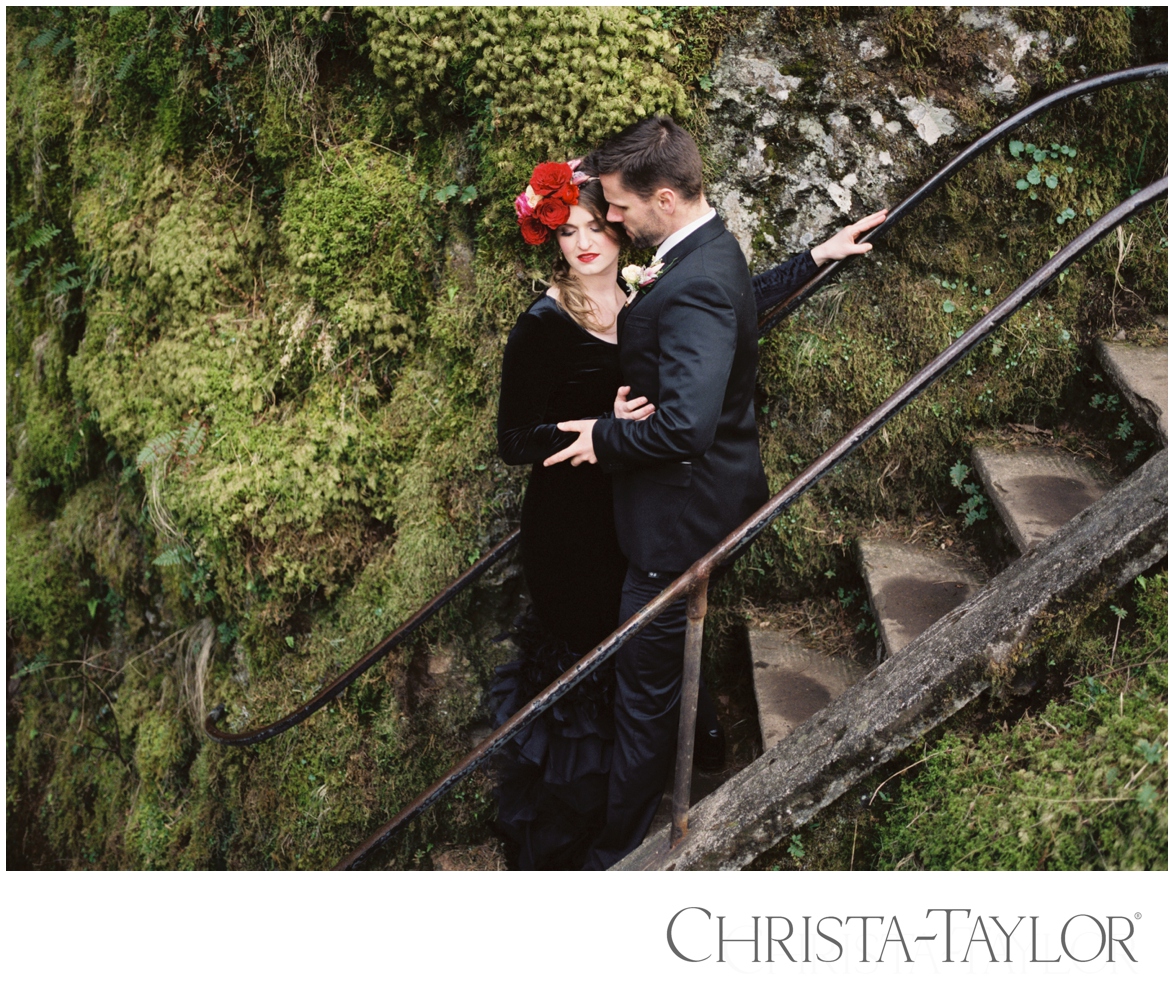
<point x="561" y="362"/>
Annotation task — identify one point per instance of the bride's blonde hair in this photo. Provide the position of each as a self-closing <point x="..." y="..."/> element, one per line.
<point x="572" y="297"/>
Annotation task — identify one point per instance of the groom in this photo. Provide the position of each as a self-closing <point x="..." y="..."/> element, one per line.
<point x="690" y="473"/>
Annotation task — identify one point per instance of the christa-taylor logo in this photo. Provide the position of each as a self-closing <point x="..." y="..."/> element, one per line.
<point x="944" y="935"/>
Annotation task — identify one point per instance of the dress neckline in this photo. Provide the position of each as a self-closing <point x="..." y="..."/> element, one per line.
<point x="594" y="335"/>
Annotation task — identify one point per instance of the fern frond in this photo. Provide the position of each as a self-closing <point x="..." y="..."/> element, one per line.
<point x="45" y="38"/>
<point x="125" y="66"/>
<point x="42" y="236"/>
<point x="27" y="271"/>
<point x="173" y="556"/>
<point x="160" y="448"/>
<point x="193" y="440"/>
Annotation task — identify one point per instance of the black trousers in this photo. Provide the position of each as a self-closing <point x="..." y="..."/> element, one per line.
<point x="648" y="696"/>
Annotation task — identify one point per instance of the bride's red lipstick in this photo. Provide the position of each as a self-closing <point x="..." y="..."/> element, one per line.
<point x="589" y="257"/>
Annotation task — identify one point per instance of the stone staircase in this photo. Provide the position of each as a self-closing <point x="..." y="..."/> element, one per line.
<point x="1035" y="491"/>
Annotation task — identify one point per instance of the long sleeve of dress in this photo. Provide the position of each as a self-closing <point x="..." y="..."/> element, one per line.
<point x="529" y="374"/>
<point x="778" y="283"/>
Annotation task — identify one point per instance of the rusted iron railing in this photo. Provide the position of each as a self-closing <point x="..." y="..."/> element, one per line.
<point x="336" y="687"/>
<point x="694" y="582"/>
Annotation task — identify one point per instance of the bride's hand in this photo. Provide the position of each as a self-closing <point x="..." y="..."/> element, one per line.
<point x="636" y="409"/>
<point x="843" y="243"/>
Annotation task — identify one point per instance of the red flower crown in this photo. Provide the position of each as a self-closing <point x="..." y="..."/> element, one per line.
<point x="546" y="202"/>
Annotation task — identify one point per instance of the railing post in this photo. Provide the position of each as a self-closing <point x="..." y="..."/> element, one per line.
<point x="696" y="604"/>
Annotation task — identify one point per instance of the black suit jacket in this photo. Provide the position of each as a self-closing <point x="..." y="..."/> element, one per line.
<point x="690" y="474"/>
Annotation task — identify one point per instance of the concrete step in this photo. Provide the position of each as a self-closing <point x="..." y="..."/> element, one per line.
<point x="1037" y="491"/>
<point x="911" y="587"/>
<point x="792" y="682"/>
<point x="1141" y="375"/>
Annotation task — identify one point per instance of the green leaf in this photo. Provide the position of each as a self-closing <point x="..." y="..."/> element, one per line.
<point x="1033" y="176"/>
<point x="27" y="271"/>
<point x="45" y="38"/>
<point x="958" y="474"/>
<point x="92" y="606"/>
<point x="705" y="82"/>
<point x="948" y="306"/>
<point x="795" y="849"/>
<point x="160" y="448"/>
<point x="1015" y="147"/>
<point x="1151" y="751"/>
<point x="468" y="195"/>
<point x="38" y="663"/>
<point x="124" y="66"/>
<point x="42" y="236"/>
<point x="445" y="193"/>
<point x="1052" y="180"/>
<point x="289" y="642"/>
<point x="192" y="440"/>
<point x="1021" y="184"/>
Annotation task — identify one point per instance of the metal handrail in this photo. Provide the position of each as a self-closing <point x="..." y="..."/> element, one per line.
<point x="694" y="581"/>
<point x="767" y="321"/>
<point x="378" y="652"/>
<point x="773" y="316"/>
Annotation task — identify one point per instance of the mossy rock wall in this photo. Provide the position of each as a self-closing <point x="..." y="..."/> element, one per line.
<point x="261" y="267"/>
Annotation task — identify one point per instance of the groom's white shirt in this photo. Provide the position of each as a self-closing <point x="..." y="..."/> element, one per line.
<point x="681" y="234"/>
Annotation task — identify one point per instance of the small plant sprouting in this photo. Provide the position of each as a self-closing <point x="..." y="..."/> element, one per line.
<point x="974" y="508"/>
<point x="795" y="849"/>
<point x="1029" y="152"/>
<point x="1152" y="752"/>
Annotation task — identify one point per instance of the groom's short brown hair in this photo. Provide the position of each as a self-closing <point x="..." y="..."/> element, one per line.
<point x="652" y="154"/>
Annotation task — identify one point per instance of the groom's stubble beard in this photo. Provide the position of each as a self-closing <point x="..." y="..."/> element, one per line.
<point x="647" y="236"/>
<point x="645" y="239"/>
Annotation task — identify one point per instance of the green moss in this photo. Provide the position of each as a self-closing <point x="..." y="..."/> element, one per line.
<point x="358" y="224"/>
<point x="44" y="601"/>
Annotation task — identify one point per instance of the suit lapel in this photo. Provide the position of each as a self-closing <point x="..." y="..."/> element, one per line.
<point x="711" y="230"/>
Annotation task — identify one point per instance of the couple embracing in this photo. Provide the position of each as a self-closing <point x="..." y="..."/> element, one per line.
<point x="633" y="398"/>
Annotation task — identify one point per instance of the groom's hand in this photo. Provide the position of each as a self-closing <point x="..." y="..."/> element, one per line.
<point x="843" y="243"/>
<point x="580" y="451"/>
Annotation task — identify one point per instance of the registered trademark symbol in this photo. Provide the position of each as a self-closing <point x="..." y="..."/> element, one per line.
<point x="1137" y="916"/>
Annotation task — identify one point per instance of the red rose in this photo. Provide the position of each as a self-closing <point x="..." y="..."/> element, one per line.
<point x="533" y="231"/>
<point x="549" y="178"/>
<point x="552" y="212"/>
<point x="569" y="194"/>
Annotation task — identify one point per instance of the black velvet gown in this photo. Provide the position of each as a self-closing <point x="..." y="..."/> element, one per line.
<point x="552" y="778"/>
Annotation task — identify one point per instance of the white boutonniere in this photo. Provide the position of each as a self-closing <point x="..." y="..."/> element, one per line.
<point x="638" y="278"/>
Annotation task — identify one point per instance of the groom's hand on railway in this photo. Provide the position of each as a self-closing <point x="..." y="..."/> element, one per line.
<point x="580" y="451"/>
<point x="843" y="243"/>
